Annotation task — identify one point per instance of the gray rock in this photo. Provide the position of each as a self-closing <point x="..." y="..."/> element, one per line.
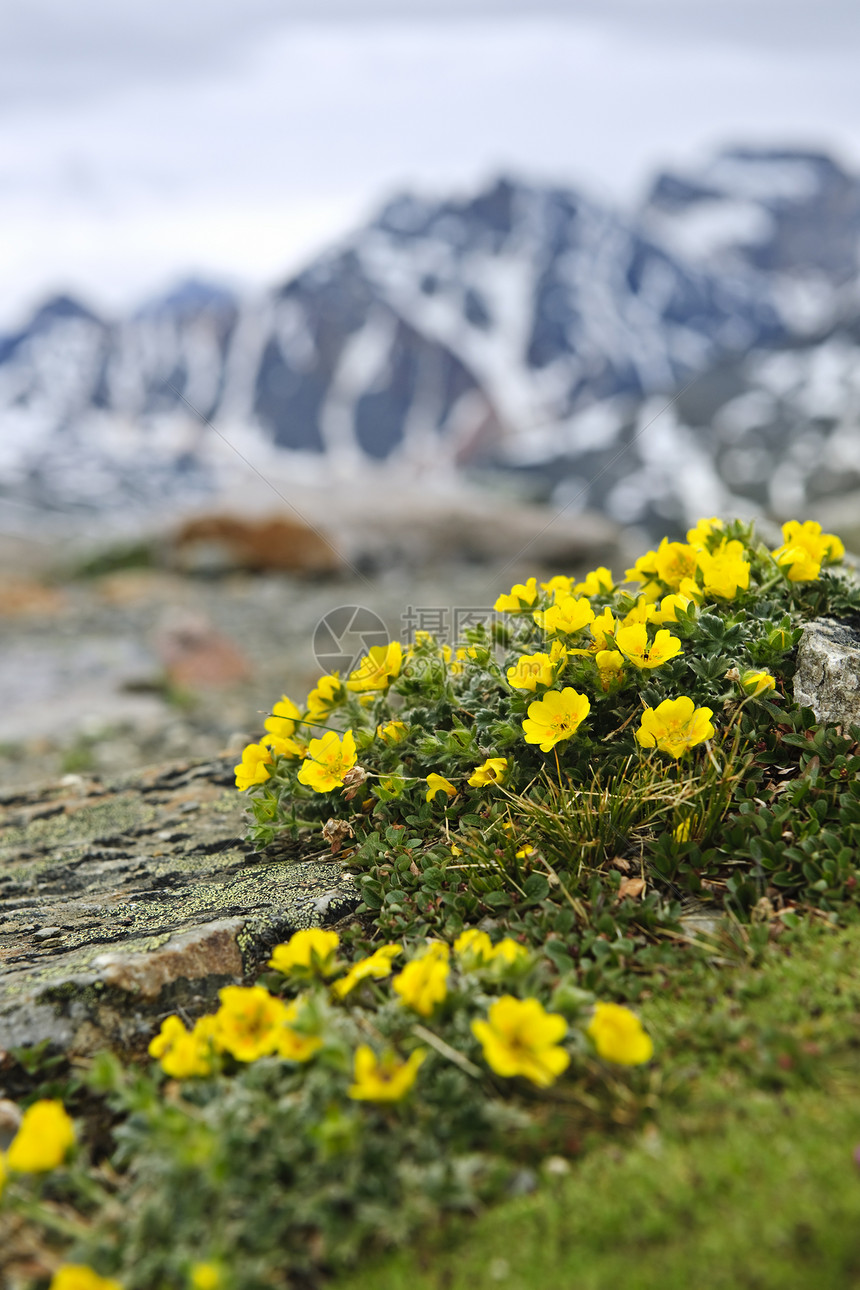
<point x="112" y="917"/>
<point x="828" y="671"/>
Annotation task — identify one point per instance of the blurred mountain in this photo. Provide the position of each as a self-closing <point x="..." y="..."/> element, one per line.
<point x="527" y="328"/>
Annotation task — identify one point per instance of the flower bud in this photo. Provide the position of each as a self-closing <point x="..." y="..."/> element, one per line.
<point x="756" y="683"/>
<point x="780" y="638"/>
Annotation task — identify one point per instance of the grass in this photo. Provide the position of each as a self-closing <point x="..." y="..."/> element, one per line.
<point x="745" y="1178"/>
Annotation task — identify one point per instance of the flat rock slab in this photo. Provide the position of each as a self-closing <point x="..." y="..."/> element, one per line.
<point x="122" y="902"/>
<point x="828" y="671"/>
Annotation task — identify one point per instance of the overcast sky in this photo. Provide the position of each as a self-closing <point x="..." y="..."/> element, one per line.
<point x="235" y="138"/>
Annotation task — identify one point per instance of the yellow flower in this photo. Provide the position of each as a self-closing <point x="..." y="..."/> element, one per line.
<point x="681" y="832"/>
<point x="439" y="784"/>
<point x="377" y="669"/>
<point x="724" y="571"/>
<point x="756" y="682"/>
<point x="2" y="1172"/>
<point x="295" y="1045"/>
<point x="385" y="1079"/>
<point x="45" y="1136"/>
<point x="282" y="722"/>
<point x="821" y="548"/>
<point x="327" y="761"/>
<point x="633" y="643"/>
<point x="670" y="606"/>
<point x="798" y="565"/>
<point x="598" y="582"/>
<point x="249" y="1022"/>
<point x="644" y="611"/>
<point x="327" y="695"/>
<point x="618" y="1036"/>
<point x="555" y="717"/>
<point x="568" y="616"/>
<point x="393" y="732"/>
<point x="689" y="587"/>
<point x="520" y="598"/>
<point x="610" y="667"/>
<point x="253" y="768"/>
<point x="377" y="965"/>
<point x="311" y="950"/>
<point x="520" y="1038"/>
<point x="558" y="586"/>
<point x="423" y="983"/>
<point x="493" y="771"/>
<point x="184" y="1054"/>
<point x="434" y="949"/>
<point x="473" y="948"/>
<point x="603" y="629"/>
<point x="205" y="1276"/>
<point x="698" y="536"/>
<point x="291" y="748"/>
<point x="674" y="562"/>
<point x="456" y="663"/>
<point x="530" y="671"/>
<point x="644" y="570"/>
<point x="508" y="951"/>
<point x="77" y="1276"/>
<point x="675" y="726"/>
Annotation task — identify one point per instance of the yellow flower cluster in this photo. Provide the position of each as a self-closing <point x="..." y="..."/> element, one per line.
<point x="518" y="1037"/>
<point x="707" y="565"/>
<point x="804" y="549"/>
<point x="475" y="951"/>
<point x="250" y="1024"/>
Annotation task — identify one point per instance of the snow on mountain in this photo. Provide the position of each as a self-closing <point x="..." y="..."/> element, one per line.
<point x="527" y="327"/>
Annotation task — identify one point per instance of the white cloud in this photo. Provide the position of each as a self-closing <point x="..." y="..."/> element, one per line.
<point x="242" y="154"/>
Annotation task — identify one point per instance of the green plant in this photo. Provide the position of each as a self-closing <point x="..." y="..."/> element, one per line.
<point x="529" y="813"/>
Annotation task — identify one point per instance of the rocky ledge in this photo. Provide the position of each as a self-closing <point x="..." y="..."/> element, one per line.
<point x="121" y="902"/>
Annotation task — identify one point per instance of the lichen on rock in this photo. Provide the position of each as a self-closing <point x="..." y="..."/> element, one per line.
<point x="828" y="671"/>
<point x="120" y="902"/>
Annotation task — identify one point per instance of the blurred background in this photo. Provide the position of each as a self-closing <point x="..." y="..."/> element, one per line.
<point x="387" y="303"/>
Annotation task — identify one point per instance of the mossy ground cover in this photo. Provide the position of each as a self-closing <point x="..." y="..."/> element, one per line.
<point x="604" y="803"/>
